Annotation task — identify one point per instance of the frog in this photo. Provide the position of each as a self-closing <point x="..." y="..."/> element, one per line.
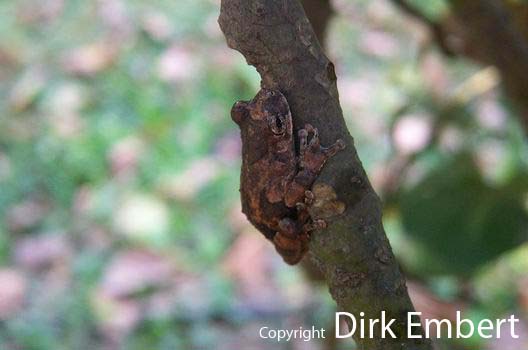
<point x="277" y="173"/>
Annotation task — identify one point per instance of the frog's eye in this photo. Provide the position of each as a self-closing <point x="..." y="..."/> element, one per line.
<point x="277" y="124"/>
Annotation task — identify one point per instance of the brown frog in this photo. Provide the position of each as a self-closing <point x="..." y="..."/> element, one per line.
<point x="275" y="179"/>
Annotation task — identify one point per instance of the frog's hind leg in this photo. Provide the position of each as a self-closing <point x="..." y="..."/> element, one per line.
<point x="291" y="242"/>
<point x="314" y="225"/>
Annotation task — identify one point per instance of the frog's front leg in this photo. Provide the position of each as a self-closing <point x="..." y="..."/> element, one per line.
<point x="312" y="157"/>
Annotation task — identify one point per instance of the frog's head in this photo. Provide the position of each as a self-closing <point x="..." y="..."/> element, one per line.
<point x="268" y="111"/>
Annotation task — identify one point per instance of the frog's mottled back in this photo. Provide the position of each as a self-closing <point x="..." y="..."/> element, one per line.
<point x="274" y="179"/>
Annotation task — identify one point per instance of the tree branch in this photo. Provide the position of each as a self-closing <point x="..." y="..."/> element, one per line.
<point x="436" y="29"/>
<point x="353" y="251"/>
<point x="489" y="32"/>
<point x="496" y="40"/>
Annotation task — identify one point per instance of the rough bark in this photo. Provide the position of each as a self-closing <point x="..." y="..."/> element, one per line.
<point x="353" y="251"/>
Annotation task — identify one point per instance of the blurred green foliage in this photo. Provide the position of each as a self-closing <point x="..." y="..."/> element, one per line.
<point x="461" y="222"/>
